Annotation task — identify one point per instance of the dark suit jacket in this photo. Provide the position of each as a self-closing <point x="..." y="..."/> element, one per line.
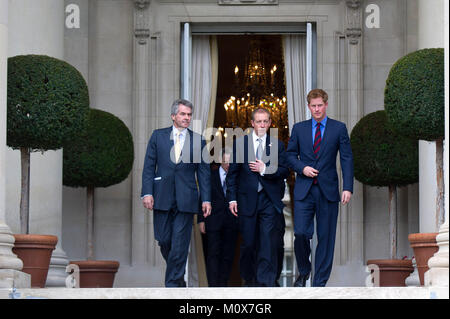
<point x="220" y="213"/>
<point x="172" y="183"/>
<point x="300" y="154"/>
<point x="242" y="183"/>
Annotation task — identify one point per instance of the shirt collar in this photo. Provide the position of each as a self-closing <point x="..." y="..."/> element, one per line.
<point x="255" y="137"/>
<point x="222" y="171"/>
<point x="174" y="130"/>
<point x="323" y="122"/>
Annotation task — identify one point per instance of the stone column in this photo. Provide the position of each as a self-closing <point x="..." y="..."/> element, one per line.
<point x="430" y="35"/>
<point x="10" y="265"/>
<point x="140" y="217"/>
<point x="37" y="27"/>
<point x="439" y="263"/>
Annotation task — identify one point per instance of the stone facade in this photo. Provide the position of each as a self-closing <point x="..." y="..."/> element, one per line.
<point x="129" y="53"/>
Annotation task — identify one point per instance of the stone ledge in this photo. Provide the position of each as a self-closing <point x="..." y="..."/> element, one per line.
<point x="10" y="278"/>
<point x="230" y="293"/>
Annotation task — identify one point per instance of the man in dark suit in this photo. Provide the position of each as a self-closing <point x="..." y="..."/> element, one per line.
<point x="311" y="153"/>
<point x="221" y="228"/>
<point x="169" y="188"/>
<point x="254" y="193"/>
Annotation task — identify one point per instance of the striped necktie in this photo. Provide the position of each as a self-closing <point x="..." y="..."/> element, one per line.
<point x="316" y="146"/>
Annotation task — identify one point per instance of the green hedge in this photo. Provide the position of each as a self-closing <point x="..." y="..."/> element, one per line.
<point x="48" y="102"/>
<point x="101" y="156"/>
<point x="382" y="156"/>
<point x="414" y="94"/>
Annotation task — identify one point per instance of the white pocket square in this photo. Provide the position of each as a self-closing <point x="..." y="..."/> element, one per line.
<point x="157" y="178"/>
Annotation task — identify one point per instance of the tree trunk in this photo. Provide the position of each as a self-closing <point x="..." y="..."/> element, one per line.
<point x="393" y="221"/>
<point x="25" y="191"/>
<point x="440" y="213"/>
<point x="90" y="222"/>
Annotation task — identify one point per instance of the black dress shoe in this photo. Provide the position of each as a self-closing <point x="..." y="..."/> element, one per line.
<point x="301" y="280"/>
<point x="181" y="283"/>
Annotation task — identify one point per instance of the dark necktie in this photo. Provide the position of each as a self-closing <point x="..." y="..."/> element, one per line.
<point x="316" y="146"/>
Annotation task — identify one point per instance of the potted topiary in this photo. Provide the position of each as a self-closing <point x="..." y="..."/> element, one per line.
<point x="47" y="105"/>
<point x="414" y="102"/>
<point x="99" y="157"/>
<point x="382" y="157"/>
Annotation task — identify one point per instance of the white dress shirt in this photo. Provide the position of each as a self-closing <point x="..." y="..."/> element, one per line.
<point x="182" y="135"/>
<point x="222" y="175"/>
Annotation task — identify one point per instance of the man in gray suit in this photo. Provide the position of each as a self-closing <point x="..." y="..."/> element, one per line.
<point x="174" y="178"/>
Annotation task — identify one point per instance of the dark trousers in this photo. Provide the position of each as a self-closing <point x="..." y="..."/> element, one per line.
<point x="173" y="232"/>
<point x="258" y="259"/>
<point x="326" y="214"/>
<point x="221" y="245"/>
<point x="280" y="228"/>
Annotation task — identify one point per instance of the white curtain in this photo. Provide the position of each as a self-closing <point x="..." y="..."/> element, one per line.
<point x="201" y="81"/>
<point x="295" y="65"/>
<point x="203" y="97"/>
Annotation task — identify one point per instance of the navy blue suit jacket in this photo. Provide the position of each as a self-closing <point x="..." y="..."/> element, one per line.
<point x="242" y="183"/>
<point x="173" y="183"/>
<point x="300" y="153"/>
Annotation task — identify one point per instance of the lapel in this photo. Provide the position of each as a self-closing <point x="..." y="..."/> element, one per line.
<point x="186" y="151"/>
<point x="266" y="154"/>
<point x="307" y="132"/>
<point x="219" y="182"/>
<point x="250" y="148"/>
<point x="167" y="134"/>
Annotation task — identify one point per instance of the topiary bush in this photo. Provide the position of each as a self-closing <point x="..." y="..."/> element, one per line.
<point x="47" y="105"/>
<point x="100" y="156"/>
<point x="382" y="156"/>
<point x="48" y="102"/>
<point x="414" y="94"/>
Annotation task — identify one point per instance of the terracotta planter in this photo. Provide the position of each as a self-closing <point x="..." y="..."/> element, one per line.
<point x="424" y="246"/>
<point x="97" y="273"/>
<point x="35" y="251"/>
<point x="393" y="272"/>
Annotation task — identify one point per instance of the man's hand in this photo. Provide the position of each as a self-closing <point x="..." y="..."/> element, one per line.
<point x="201" y="227"/>
<point x="206" y="209"/>
<point x="233" y="208"/>
<point x="148" y="202"/>
<point x="346" y="195"/>
<point x="257" y="166"/>
<point x="310" y="172"/>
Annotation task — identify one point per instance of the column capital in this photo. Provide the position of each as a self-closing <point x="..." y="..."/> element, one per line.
<point x="353" y="28"/>
<point x="141" y="4"/>
<point x="141" y="21"/>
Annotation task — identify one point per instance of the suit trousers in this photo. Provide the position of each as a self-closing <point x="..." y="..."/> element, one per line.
<point x="260" y="241"/>
<point x="173" y="232"/>
<point x="326" y="213"/>
<point x="221" y="245"/>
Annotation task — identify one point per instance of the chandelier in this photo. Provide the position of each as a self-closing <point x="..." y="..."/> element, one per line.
<point x="256" y="86"/>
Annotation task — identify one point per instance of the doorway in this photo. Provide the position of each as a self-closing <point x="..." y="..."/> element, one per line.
<point x="292" y="74"/>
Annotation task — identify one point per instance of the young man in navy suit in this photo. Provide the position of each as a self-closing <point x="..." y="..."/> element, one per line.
<point x="255" y="184"/>
<point x="169" y="188"/>
<point x="311" y="153"/>
<point x="221" y="228"/>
